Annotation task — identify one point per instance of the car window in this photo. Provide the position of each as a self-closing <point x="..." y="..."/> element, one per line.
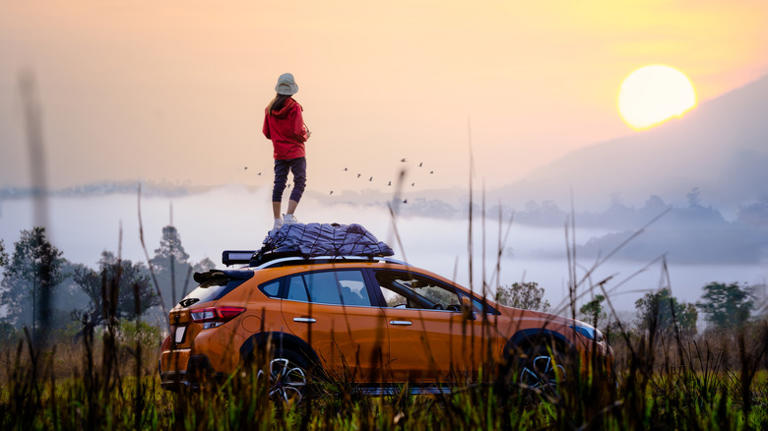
<point x="215" y="285"/>
<point x="297" y="290"/>
<point x="329" y="287"/>
<point x="416" y="291"/>
<point x="477" y="305"/>
<point x="434" y="292"/>
<point x="394" y="299"/>
<point x="271" y="289"/>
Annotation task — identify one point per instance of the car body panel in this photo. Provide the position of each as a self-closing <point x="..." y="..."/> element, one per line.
<point x="342" y="336"/>
<point x="433" y="344"/>
<point x="366" y="343"/>
<point x="175" y="359"/>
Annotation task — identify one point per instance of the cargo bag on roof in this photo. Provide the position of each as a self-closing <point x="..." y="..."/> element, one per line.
<point x="316" y="239"/>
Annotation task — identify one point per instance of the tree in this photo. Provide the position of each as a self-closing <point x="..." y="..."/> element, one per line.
<point x="727" y="305"/>
<point x="694" y="197"/>
<point x="526" y="295"/>
<point x="129" y="276"/>
<point x="173" y="269"/>
<point x="593" y="310"/>
<point x="171" y="259"/>
<point x="204" y="265"/>
<point x="5" y="327"/>
<point x="7" y="333"/>
<point x="31" y="275"/>
<point x="655" y="203"/>
<point x="3" y="255"/>
<point x="170" y="245"/>
<point x="660" y="310"/>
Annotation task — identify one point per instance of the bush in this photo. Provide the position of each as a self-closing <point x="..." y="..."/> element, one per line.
<point x="527" y="295"/>
<point x="139" y="337"/>
<point x="132" y="332"/>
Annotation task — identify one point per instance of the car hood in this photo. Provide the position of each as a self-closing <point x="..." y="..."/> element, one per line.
<point x="541" y="316"/>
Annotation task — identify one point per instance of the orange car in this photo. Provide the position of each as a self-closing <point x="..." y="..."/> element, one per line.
<point x="375" y="321"/>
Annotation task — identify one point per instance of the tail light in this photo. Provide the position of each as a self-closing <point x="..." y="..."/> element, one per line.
<point x="215" y="316"/>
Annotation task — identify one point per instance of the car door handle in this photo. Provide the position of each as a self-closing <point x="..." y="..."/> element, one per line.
<point x="401" y="322"/>
<point x="304" y="319"/>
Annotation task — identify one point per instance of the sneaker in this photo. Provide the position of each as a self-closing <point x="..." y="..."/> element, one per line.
<point x="289" y="219"/>
<point x="278" y="224"/>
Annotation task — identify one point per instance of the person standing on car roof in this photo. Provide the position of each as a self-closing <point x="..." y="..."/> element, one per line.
<point x="284" y="125"/>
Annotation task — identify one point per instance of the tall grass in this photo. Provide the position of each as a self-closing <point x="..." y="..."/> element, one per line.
<point x="713" y="385"/>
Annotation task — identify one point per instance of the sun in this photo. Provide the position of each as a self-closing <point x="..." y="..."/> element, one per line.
<point x="653" y="94"/>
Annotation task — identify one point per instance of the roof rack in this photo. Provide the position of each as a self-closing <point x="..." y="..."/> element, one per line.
<point x="291" y="260"/>
<point x="232" y="257"/>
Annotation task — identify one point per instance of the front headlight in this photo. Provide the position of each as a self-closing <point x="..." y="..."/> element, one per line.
<point x="588" y="332"/>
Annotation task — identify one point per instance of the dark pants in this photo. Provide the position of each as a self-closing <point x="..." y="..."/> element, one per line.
<point x="298" y="167"/>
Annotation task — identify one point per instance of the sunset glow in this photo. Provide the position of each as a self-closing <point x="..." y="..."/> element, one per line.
<point x="157" y="86"/>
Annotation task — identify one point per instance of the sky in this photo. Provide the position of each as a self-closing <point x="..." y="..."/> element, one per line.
<point x="175" y="91"/>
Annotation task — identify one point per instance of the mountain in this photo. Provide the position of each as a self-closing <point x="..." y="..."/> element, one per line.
<point x="721" y="147"/>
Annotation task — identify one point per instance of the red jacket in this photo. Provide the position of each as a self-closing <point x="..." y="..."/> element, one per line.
<point x="285" y="128"/>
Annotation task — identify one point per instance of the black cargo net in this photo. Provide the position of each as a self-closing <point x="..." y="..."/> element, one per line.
<point x="316" y="239"/>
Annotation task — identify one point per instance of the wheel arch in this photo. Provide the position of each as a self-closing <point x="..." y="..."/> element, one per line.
<point x="279" y="340"/>
<point x="529" y="337"/>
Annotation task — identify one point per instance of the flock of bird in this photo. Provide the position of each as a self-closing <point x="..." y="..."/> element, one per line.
<point x="370" y="179"/>
<point x="389" y="182"/>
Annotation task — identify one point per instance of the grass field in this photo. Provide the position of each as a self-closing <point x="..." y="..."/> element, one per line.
<point x="107" y="382"/>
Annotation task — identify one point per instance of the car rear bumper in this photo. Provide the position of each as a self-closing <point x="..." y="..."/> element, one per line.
<point x="176" y="360"/>
<point x="180" y="369"/>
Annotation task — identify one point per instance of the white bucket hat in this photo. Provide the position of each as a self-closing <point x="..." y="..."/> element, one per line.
<point x="286" y="85"/>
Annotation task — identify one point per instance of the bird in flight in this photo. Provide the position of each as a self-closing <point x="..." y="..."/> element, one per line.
<point x="346" y="169"/>
<point x="370" y="179"/>
<point x="421" y="163"/>
<point x="405" y="201"/>
<point x="259" y="173"/>
<point x="246" y="168"/>
<point x="358" y="175"/>
<point x="413" y="184"/>
<point x="402" y="160"/>
<point x="389" y="183"/>
<point x="330" y="193"/>
<point x="431" y="172"/>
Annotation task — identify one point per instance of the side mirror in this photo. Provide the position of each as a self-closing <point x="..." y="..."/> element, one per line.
<point x="466" y="308"/>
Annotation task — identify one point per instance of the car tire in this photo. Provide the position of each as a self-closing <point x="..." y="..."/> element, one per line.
<point x="543" y="367"/>
<point x="286" y="376"/>
<point x="540" y="368"/>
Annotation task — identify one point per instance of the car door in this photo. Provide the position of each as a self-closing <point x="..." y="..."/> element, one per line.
<point x="332" y="310"/>
<point x="430" y="339"/>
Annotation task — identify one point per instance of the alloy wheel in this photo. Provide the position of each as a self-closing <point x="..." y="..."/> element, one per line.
<point x="287" y="380"/>
<point x="542" y="372"/>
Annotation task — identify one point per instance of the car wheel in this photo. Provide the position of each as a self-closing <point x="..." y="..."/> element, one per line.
<point x="542" y="368"/>
<point x="286" y="377"/>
